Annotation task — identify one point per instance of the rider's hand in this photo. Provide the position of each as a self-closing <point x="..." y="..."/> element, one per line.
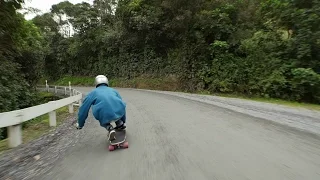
<point x="77" y="126"/>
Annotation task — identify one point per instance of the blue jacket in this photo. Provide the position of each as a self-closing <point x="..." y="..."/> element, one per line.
<point x="107" y="105"/>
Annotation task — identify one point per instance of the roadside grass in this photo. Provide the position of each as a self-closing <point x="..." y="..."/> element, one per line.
<point x="267" y="100"/>
<point x="75" y="81"/>
<point x="44" y="97"/>
<point x="171" y="84"/>
<point x="166" y="84"/>
<point x="3" y="145"/>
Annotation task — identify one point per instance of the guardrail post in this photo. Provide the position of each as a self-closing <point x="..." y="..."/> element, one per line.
<point x="71" y="108"/>
<point x="80" y="102"/>
<point x="14" y="135"/>
<point x="52" y="118"/>
<point x="55" y="89"/>
<point x="70" y="88"/>
<point x="47" y="87"/>
<point x="65" y="90"/>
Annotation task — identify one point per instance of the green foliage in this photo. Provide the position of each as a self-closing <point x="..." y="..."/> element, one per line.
<point x="255" y="48"/>
<point x="83" y="81"/>
<point x="167" y="84"/>
<point x="31" y="52"/>
<point x="305" y="84"/>
<point x="21" y="57"/>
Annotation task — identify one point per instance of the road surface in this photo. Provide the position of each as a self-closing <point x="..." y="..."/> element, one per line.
<point x="173" y="138"/>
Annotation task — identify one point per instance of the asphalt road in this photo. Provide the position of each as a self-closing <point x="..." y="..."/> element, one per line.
<point x="173" y="138"/>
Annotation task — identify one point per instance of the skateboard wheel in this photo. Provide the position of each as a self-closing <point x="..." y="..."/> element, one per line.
<point x="111" y="148"/>
<point x="125" y="144"/>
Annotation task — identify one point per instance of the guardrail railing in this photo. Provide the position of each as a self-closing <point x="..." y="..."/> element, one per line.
<point x="13" y="119"/>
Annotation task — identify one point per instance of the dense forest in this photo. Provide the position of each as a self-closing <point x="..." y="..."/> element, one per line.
<point x="21" y="57"/>
<point x="267" y="48"/>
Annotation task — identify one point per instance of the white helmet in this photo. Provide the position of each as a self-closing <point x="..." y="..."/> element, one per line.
<point x="101" y="79"/>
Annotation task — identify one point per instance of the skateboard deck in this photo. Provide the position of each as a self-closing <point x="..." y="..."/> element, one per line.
<point x="120" y="141"/>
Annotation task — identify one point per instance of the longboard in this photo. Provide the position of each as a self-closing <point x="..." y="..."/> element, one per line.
<point x="120" y="141"/>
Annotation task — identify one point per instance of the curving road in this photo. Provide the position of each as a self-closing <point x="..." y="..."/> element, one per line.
<point x="173" y="138"/>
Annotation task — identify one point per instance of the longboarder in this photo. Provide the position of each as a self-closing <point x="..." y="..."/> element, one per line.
<point x="107" y="105"/>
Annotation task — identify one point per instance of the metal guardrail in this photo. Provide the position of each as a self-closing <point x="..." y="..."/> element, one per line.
<point x="13" y="120"/>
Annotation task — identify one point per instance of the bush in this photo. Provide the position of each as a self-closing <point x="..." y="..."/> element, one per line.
<point x="305" y="85"/>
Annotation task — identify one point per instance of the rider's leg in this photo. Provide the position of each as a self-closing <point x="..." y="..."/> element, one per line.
<point x="124" y="118"/>
<point x="108" y="126"/>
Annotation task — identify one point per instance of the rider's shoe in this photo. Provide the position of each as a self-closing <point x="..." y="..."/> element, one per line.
<point x="112" y="135"/>
<point x="121" y="127"/>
